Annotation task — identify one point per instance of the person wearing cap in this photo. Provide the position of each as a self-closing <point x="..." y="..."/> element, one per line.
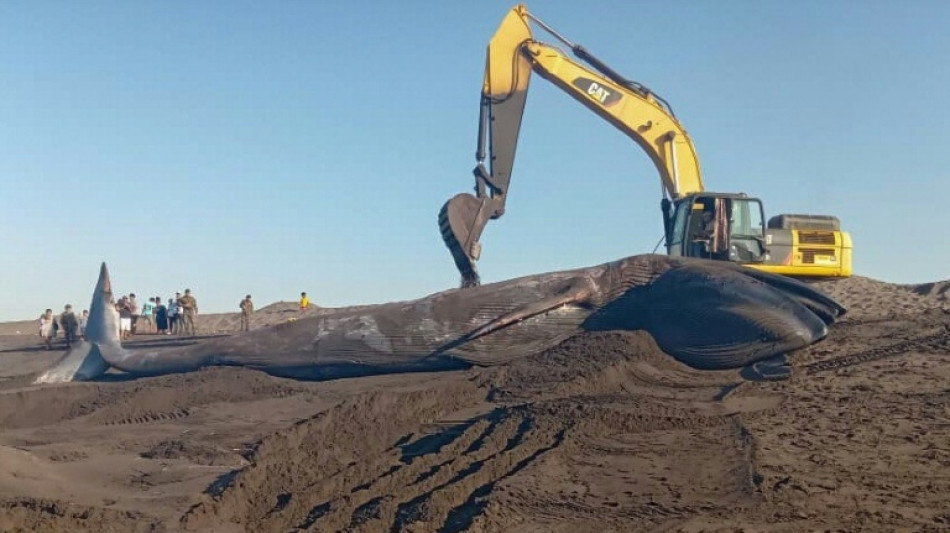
<point x="189" y="310"/>
<point x="247" y="307"/>
<point x="70" y="325"/>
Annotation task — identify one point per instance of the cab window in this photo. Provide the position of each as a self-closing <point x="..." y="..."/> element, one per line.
<point x="746" y="219"/>
<point x="679" y="227"/>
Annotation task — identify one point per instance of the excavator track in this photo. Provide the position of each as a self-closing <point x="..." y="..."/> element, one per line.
<point x="845" y="361"/>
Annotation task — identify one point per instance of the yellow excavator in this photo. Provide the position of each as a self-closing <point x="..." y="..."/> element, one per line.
<point x="697" y="223"/>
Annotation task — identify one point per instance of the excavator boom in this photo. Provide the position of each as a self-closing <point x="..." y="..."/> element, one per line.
<point x="512" y="55"/>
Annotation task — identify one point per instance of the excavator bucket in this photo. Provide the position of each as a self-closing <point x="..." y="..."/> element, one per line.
<point x="461" y="221"/>
<point x="507" y="72"/>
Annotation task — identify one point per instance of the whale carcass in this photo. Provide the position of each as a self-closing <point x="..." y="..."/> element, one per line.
<point x="709" y="315"/>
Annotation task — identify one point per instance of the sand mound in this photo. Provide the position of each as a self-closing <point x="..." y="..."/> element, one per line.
<point x="939" y="290"/>
<point x="267" y="316"/>
<point x="138" y="401"/>
<point x="40" y="516"/>
<point x="413" y="460"/>
<point x="866" y="297"/>
<point x="601" y="433"/>
<point x="606" y="363"/>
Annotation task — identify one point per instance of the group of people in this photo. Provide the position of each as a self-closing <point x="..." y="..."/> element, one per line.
<point x="175" y="318"/>
<point x="72" y="326"/>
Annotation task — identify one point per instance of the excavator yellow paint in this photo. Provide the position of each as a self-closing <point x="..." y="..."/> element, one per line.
<point x="811" y="260"/>
<point x="641" y="118"/>
<point x="507" y="71"/>
<point x="513" y="54"/>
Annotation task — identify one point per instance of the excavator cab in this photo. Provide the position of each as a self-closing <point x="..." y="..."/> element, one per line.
<point x="732" y="227"/>
<point x="722" y="227"/>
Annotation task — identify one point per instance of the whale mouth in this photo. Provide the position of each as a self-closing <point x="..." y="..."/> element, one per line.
<point x="715" y="317"/>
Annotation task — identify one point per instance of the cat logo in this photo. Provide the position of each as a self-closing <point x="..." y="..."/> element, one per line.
<point x="597" y="92"/>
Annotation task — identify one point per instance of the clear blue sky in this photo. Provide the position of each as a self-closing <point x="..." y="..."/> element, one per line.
<point x="275" y="147"/>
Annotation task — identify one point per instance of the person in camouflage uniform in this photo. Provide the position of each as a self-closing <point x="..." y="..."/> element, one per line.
<point x="70" y="325"/>
<point x="189" y="310"/>
<point x="247" y="307"/>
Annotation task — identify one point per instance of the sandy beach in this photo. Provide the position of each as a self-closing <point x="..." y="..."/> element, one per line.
<point x="602" y="433"/>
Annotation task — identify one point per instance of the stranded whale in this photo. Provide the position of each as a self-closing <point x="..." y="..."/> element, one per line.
<point x="707" y="314"/>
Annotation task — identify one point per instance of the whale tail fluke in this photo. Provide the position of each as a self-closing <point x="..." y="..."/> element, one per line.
<point x="84" y="360"/>
<point x="82" y="363"/>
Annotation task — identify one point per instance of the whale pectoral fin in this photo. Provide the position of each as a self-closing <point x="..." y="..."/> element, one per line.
<point x="578" y="291"/>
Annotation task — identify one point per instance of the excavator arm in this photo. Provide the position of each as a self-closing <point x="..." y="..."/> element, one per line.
<point x="512" y="55"/>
